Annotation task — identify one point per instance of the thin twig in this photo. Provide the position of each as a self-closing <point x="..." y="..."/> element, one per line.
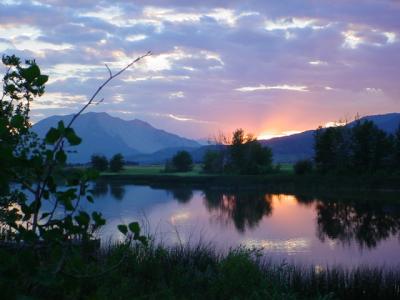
<point x="109" y="71"/>
<point x="59" y="143"/>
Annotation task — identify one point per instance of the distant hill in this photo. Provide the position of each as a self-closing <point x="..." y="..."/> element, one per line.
<point x="299" y="146"/>
<point x="140" y="142"/>
<point x="102" y="133"/>
<point x="161" y="156"/>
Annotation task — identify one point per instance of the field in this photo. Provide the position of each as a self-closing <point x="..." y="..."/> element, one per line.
<point x="158" y="170"/>
<point x="155" y="170"/>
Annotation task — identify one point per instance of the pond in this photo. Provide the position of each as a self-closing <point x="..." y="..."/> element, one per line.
<point x="348" y="230"/>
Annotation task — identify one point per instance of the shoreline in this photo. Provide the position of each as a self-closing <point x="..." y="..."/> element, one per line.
<point x="389" y="183"/>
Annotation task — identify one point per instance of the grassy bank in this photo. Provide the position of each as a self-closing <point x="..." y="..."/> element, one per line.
<point x="284" y="179"/>
<point x="157" y="272"/>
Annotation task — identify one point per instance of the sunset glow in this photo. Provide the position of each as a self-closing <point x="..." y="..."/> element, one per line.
<point x="271" y="135"/>
<point x="269" y="67"/>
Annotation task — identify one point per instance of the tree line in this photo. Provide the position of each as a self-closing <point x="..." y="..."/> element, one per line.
<point x="242" y="154"/>
<point x="359" y="147"/>
<point x="100" y="162"/>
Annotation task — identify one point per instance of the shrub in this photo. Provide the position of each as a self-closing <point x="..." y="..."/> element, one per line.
<point x="304" y="166"/>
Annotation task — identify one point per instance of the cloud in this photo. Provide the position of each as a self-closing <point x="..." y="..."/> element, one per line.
<point x="315" y="60"/>
<point x="178" y="94"/>
<point x="262" y="87"/>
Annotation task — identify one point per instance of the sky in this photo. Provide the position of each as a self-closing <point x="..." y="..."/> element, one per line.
<point x="270" y="67"/>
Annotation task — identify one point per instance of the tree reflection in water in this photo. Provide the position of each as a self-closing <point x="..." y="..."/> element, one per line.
<point x="365" y="222"/>
<point x="245" y="209"/>
<point x="100" y="188"/>
<point x="117" y="190"/>
<point x="181" y="194"/>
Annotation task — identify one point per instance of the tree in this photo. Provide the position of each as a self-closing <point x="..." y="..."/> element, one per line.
<point x="182" y="161"/>
<point x="99" y="162"/>
<point x="40" y="217"/>
<point x="247" y="155"/>
<point x="332" y="149"/>
<point x="303" y="166"/>
<point x="370" y="146"/>
<point x="397" y="149"/>
<point x="359" y="147"/>
<point x="117" y="163"/>
<point x="213" y="161"/>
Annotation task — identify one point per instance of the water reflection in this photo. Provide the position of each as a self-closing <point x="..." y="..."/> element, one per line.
<point x="366" y="223"/>
<point x="181" y="194"/>
<point x="293" y="219"/>
<point x="100" y="188"/>
<point x="245" y="209"/>
<point x="117" y="191"/>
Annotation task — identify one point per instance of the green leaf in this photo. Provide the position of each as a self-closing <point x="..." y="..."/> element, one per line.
<point x="123" y="229"/>
<point x="89" y="198"/>
<point x="52" y="136"/>
<point x="98" y="219"/>
<point x="61" y="127"/>
<point x="61" y="157"/>
<point x="42" y="79"/>
<point x="83" y="218"/>
<point x="72" y="138"/>
<point x="134" y="228"/>
<point x="17" y="121"/>
<point x="31" y="72"/>
<point x="143" y="240"/>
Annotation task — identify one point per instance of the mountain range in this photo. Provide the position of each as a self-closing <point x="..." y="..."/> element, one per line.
<point x="107" y="135"/>
<point x="140" y="142"/>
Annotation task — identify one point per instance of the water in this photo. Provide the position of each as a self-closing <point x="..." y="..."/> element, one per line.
<point x="360" y="229"/>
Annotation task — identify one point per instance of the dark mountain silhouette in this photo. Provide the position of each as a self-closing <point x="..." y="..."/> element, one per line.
<point x="102" y="133"/>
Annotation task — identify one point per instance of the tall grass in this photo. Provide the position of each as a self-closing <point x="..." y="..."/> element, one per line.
<point x="202" y="272"/>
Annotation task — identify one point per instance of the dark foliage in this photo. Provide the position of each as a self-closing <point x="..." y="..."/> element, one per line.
<point x="244" y="155"/>
<point x="99" y="162"/>
<point x="46" y="239"/>
<point x="117" y="163"/>
<point x="304" y="166"/>
<point x="213" y="161"/>
<point x="360" y="148"/>
<point x="181" y="162"/>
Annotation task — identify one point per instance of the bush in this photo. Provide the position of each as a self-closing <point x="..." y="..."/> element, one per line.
<point x="304" y="166"/>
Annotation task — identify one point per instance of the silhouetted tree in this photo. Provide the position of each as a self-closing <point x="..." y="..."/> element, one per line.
<point x="303" y="166"/>
<point x="397" y="149"/>
<point x="370" y="147"/>
<point x="332" y="149"/>
<point x="99" y="162"/>
<point x="117" y="163"/>
<point x="360" y="147"/>
<point x="181" y="162"/>
<point x="247" y="155"/>
<point x="213" y="161"/>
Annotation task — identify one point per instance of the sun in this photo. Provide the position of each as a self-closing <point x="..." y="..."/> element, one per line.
<point x="267" y="135"/>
